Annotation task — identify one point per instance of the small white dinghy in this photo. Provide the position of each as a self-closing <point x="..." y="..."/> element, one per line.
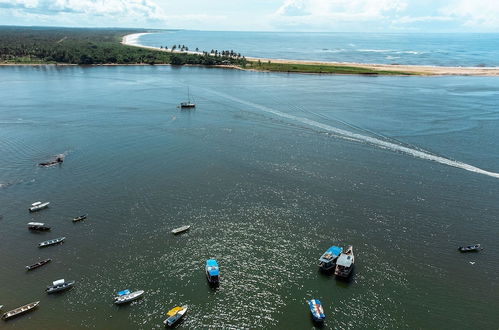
<point x="126" y="296"/>
<point x="179" y="230"/>
<point x="37" y="206"/>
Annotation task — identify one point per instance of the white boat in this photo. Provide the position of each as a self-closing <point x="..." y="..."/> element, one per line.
<point x="59" y="285"/>
<point x="37" y="206"/>
<point x="126" y="296"/>
<point x="180" y="229"/>
<point x="52" y="242"/>
<point x="189" y="104"/>
<point x="345" y="263"/>
<point x="38" y="226"/>
<point x="174" y="315"/>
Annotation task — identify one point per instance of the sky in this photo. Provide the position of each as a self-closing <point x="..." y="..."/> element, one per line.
<point x="260" y="15"/>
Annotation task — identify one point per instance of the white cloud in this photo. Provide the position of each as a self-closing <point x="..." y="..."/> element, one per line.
<point x="483" y="14"/>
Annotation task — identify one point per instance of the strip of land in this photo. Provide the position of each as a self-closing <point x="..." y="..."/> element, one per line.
<point x="287" y="65"/>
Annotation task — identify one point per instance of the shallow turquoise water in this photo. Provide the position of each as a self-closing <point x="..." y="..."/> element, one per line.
<point x="261" y="173"/>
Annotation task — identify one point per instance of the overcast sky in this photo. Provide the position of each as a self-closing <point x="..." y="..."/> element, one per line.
<point x="261" y="15"/>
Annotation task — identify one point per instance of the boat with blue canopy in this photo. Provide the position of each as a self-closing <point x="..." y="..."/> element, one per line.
<point x="126" y="296"/>
<point x="212" y="271"/>
<point x="316" y="310"/>
<point x="328" y="260"/>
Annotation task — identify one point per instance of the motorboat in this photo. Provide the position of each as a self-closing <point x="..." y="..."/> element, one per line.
<point x="38" y="264"/>
<point x="52" y="242"/>
<point x="59" y="285"/>
<point x="212" y="271"/>
<point x="316" y="310"/>
<point x="80" y="218"/>
<point x="38" y="226"/>
<point x="174" y="315"/>
<point x="20" y="310"/>
<point x="470" y="248"/>
<point x="179" y="230"/>
<point x="126" y="296"/>
<point x="345" y="263"/>
<point x="37" y="206"/>
<point x="328" y="260"/>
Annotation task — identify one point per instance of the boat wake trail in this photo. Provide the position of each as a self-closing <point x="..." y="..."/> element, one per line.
<point x="344" y="134"/>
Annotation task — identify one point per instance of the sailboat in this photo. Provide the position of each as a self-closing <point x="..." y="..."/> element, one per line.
<point x="189" y="104"/>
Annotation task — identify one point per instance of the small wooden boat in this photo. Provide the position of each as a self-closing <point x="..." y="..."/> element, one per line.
<point x="20" y="310"/>
<point x="180" y="229"/>
<point x="59" y="285"/>
<point x="174" y="315"/>
<point x="212" y="271"/>
<point x="80" y="218"/>
<point x="316" y="310"/>
<point x="37" y="206"/>
<point x="126" y="296"/>
<point x="52" y="242"/>
<point x="56" y="160"/>
<point x="328" y="260"/>
<point x="470" y="248"/>
<point x="345" y="263"/>
<point x="38" y="226"/>
<point x="38" y="264"/>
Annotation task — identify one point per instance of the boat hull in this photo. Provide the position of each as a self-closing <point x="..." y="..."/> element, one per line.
<point x="38" y="264"/>
<point x="20" y="310"/>
<point x="120" y="300"/>
<point x="59" y="288"/>
<point x="52" y="242"/>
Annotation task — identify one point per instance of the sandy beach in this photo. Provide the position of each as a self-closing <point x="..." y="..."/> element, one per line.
<point x="133" y="40"/>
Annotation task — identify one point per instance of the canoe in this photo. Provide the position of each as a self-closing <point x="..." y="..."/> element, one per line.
<point x="20" y="310"/>
<point x="125" y="296"/>
<point x="174" y="315"/>
<point x="52" y="242"/>
<point x="316" y="310"/>
<point x="38" y="264"/>
<point x="80" y="218"/>
<point x="179" y="230"/>
<point x="470" y="248"/>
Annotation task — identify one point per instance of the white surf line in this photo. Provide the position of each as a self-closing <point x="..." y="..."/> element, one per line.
<point x="359" y="137"/>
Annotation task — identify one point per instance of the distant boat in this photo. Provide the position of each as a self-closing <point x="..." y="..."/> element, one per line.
<point x="37" y="206"/>
<point x="328" y="260"/>
<point x="126" y="296"/>
<point x="56" y="160"/>
<point x="80" y="218"/>
<point x="180" y="229"/>
<point x="174" y="315"/>
<point x="470" y="248"/>
<point x="212" y="271"/>
<point x="316" y="310"/>
<point x="52" y="242"/>
<point x="20" y="310"/>
<point x="38" y="264"/>
<point x="59" y="285"/>
<point x="38" y="226"/>
<point x="189" y="104"/>
<point x="345" y="263"/>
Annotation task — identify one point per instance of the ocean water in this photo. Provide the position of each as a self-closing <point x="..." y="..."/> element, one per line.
<point x="442" y="49"/>
<point x="270" y="170"/>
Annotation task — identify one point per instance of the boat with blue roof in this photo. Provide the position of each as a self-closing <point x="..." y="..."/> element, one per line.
<point x="316" y="310"/>
<point x="328" y="260"/>
<point x="212" y="271"/>
<point x="125" y="296"/>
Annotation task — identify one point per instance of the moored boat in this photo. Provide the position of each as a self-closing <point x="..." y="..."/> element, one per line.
<point x="180" y="229"/>
<point x="38" y="264"/>
<point x="20" y="310"/>
<point x="470" y="248"/>
<point x="38" y="226"/>
<point x="328" y="260"/>
<point x="126" y="296"/>
<point x="345" y="263"/>
<point x="316" y="310"/>
<point x="58" y="159"/>
<point x="37" y="206"/>
<point x="189" y="104"/>
<point x="80" y="218"/>
<point x="212" y="271"/>
<point x="52" y="242"/>
<point x="59" y="285"/>
<point x="174" y="315"/>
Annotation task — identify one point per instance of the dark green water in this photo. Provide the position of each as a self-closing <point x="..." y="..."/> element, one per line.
<point x="261" y="173"/>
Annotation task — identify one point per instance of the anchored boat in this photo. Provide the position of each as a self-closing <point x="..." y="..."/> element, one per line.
<point x="59" y="285"/>
<point x="37" y="206"/>
<point x="38" y="226"/>
<point x="328" y="260"/>
<point x="38" y="264"/>
<point x="52" y="242"/>
<point x="470" y="248"/>
<point x="126" y="296"/>
<point x="20" y="310"/>
<point x="174" y="315"/>
<point x="189" y="104"/>
<point x="180" y="229"/>
<point x="345" y="262"/>
<point x="80" y="218"/>
<point x="316" y="310"/>
<point x="212" y="271"/>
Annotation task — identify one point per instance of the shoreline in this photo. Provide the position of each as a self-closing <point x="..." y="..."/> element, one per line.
<point x="132" y="40"/>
